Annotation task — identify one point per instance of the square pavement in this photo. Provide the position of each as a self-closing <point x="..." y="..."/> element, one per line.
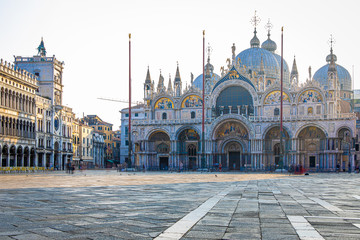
<point x="318" y="206"/>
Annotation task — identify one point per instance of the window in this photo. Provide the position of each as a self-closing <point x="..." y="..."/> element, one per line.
<point x="276" y="112"/>
<point x="310" y="111"/>
<point x="318" y="109"/>
<point x="164" y="116"/>
<point x="192" y="114"/>
<point x="126" y="115"/>
<point x="136" y="114"/>
<point x="126" y="143"/>
<point x="83" y="140"/>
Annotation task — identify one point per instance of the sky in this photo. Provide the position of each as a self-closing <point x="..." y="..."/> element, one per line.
<point x="91" y="37"/>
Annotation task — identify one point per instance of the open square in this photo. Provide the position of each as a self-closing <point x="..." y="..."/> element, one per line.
<point x="112" y="205"/>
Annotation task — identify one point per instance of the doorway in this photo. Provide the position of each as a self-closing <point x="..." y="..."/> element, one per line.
<point x="192" y="163"/>
<point x="234" y="160"/>
<point x="164" y="163"/>
<point x="312" y="161"/>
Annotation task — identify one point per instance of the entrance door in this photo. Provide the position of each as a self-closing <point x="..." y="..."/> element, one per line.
<point x="164" y="163"/>
<point x="234" y="160"/>
<point x="192" y="163"/>
<point x="312" y="161"/>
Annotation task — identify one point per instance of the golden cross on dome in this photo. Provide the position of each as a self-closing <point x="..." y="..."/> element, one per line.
<point x="209" y="50"/>
<point x="255" y="20"/>
<point x="331" y="41"/>
<point x="268" y="26"/>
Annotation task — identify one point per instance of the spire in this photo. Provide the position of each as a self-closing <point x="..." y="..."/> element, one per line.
<point x="262" y="66"/>
<point x="177" y="75"/>
<point x="177" y="82"/>
<point x="161" y="83"/>
<point x="41" y="48"/>
<point x="169" y="89"/>
<point x="148" y="78"/>
<point x="255" y="42"/>
<point x="332" y="65"/>
<point x="294" y="70"/>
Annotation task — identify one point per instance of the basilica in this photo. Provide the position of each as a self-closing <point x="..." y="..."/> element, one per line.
<point x="242" y="117"/>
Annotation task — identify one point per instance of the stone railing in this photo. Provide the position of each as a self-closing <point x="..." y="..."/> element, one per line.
<point x="17" y="72"/>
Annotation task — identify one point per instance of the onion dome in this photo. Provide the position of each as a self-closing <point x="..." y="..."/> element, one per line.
<point x="344" y="77"/>
<point x="255" y="42"/>
<point x="269" y="44"/>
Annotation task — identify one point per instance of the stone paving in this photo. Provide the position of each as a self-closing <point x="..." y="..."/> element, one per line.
<point x="318" y="206"/>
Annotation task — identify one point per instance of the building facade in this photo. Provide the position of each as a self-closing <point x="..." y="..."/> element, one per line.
<point x="53" y="120"/>
<point x="242" y="117"/>
<point x="105" y="129"/>
<point x="17" y="116"/>
<point x="98" y="150"/>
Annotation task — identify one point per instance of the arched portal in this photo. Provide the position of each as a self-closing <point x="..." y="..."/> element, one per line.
<point x="231" y="141"/>
<point x="32" y="157"/>
<point x="345" y="140"/>
<point x="234" y="99"/>
<point x="12" y="156"/>
<point x="159" y="147"/>
<point x="272" y="146"/>
<point x="4" y="156"/>
<point x="188" y="149"/>
<point x="26" y="156"/>
<point x="312" y="143"/>
<point x="233" y="151"/>
<point x="19" y="157"/>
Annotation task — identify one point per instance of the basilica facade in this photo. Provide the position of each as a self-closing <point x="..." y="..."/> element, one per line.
<point x="242" y="117"/>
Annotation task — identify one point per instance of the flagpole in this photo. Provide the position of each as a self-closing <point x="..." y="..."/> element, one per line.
<point x="281" y="103"/>
<point x="203" y="105"/>
<point x="129" y="132"/>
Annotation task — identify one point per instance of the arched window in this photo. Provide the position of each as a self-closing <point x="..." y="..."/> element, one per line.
<point x="192" y="150"/>
<point x="268" y="83"/>
<point x="192" y="114"/>
<point x="164" y="116"/>
<point x="276" y="112"/>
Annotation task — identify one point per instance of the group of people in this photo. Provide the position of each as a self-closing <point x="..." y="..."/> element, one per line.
<point x="70" y="168"/>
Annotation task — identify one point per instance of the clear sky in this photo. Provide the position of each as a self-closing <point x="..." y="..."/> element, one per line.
<point x="91" y="37"/>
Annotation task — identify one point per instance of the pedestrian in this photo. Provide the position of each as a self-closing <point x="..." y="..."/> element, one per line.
<point x="220" y="166"/>
<point x="68" y="166"/>
<point x="349" y="167"/>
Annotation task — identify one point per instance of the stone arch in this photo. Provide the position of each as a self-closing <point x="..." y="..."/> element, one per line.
<point x="220" y="120"/>
<point x="310" y="89"/>
<point x="296" y="135"/>
<point x="19" y="153"/>
<point x="216" y="92"/>
<point x="182" y="128"/>
<point x="32" y="157"/>
<point x="4" y="155"/>
<point x="26" y="156"/>
<point x="12" y="152"/>
<point x="233" y="99"/>
<point x="192" y="100"/>
<point x="342" y="129"/>
<point x="159" y="129"/>
<point x="156" y="100"/>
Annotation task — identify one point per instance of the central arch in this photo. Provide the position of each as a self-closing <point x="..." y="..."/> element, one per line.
<point x="231" y="143"/>
<point x="272" y="146"/>
<point x="188" y="145"/>
<point x="312" y="143"/>
<point x="159" y="147"/>
<point x="234" y="99"/>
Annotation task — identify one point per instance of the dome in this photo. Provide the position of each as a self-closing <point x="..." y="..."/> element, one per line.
<point x="199" y="80"/>
<point x="343" y="75"/>
<point x="328" y="58"/>
<point x="269" y="45"/>
<point x="251" y="59"/>
<point x="286" y="68"/>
